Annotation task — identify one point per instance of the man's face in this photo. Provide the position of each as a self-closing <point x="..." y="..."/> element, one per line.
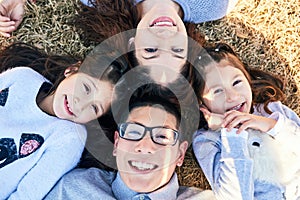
<point x="144" y="165"/>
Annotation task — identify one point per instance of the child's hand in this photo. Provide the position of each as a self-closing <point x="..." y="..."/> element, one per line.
<point x="11" y="15"/>
<point x="214" y="120"/>
<point x="242" y="121"/>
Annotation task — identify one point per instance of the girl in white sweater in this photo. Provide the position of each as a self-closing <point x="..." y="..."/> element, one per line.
<point x="41" y="108"/>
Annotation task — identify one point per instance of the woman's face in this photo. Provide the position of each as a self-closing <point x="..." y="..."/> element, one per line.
<point x="161" y="37"/>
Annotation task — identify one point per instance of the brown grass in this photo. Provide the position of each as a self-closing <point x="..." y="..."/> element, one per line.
<point x="265" y="33"/>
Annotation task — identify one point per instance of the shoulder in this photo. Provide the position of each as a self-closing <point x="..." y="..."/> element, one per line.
<point x="194" y="193"/>
<point x="68" y="127"/>
<point x="21" y="71"/>
<point x="23" y="74"/>
<point x="91" y="175"/>
<point x="80" y="184"/>
<point x="207" y="135"/>
<point x="279" y="108"/>
<point x="91" y="179"/>
<point x="198" y="11"/>
<point x="70" y="134"/>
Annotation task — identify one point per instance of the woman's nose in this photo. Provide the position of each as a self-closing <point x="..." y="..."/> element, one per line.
<point x="163" y="33"/>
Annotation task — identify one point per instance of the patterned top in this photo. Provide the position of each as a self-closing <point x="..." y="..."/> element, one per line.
<point x="36" y="149"/>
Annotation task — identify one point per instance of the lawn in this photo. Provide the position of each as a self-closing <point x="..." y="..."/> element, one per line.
<point x="265" y="33"/>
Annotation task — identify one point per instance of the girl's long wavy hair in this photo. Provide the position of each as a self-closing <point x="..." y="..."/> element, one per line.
<point x="51" y="67"/>
<point x="265" y="87"/>
<point x="102" y="66"/>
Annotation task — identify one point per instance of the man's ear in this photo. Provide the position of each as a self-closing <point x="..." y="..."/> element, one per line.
<point x="182" y="149"/>
<point x="71" y="70"/>
<point x="116" y="139"/>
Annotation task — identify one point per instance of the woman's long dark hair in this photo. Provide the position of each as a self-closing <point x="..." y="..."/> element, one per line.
<point x="106" y="18"/>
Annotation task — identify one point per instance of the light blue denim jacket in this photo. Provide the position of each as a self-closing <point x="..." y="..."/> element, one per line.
<point x="226" y="161"/>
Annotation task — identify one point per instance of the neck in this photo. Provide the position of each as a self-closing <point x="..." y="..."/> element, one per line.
<point x="44" y="101"/>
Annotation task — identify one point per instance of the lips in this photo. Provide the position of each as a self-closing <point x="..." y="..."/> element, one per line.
<point x="239" y="107"/>
<point x="67" y="106"/>
<point x="163" y="21"/>
<point x="142" y="166"/>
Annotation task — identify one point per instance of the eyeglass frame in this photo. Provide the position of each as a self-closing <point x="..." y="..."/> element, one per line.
<point x="148" y="129"/>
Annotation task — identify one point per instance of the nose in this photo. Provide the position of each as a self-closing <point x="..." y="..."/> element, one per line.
<point x="232" y="95"/>
<point x="79" y="104"/>
<point x="164" y="33"/>
<point x="76" y="100"/>
<point x="145" y="145"/>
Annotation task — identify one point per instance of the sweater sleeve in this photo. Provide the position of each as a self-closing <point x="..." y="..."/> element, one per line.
<point x="226" y="164"/>
<point x="198" y="11"/>
<point x="61" y="155"/>
<point x="6" y="79"/>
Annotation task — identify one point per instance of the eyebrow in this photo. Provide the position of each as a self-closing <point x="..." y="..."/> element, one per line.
<point x="151" y="57"/>
<point x="163" y="126"/>
<point x="156" y="56"/>
<point x="93" y="84"/>
<point x="218" y="84"/>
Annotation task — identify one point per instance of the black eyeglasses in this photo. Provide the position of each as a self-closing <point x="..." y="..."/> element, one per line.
<point x="159" y="135"/>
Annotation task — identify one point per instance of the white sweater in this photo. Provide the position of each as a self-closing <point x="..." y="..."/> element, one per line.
<point x="36" y="149"/>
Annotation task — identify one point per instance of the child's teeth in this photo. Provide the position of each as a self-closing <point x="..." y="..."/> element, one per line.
<point x="236" y="107"/>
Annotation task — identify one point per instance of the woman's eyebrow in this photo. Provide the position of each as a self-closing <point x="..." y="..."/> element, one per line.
<point x="178" y="56"/>
<point x="151" y="57"/>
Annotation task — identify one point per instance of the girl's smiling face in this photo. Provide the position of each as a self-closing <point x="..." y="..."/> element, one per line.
<point x="227" y="88"/>
<point x="79" y="98"/>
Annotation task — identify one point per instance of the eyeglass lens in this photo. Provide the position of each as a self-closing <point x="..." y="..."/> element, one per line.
<point x="159" y="135"/>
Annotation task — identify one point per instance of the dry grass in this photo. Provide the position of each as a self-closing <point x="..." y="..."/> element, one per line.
<point x="266" y="35"/>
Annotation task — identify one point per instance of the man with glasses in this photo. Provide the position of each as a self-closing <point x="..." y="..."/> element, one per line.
<point x="148" y="146"/>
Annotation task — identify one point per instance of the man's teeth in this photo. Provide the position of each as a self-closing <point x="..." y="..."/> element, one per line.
<point x="163" y="23"/>
<point x="142" y="165"/>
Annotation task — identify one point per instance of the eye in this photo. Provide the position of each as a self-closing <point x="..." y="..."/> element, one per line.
<point x="177" y="50"/>
<point x="133" y="134"/>
<point x="217" y="91"/>
<point x="161" y="136"/>
<point x="95" y="108"/>
<point x="86" y="88"/>
<point x="236" y="82"/>
<point x="150" y="50"/>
